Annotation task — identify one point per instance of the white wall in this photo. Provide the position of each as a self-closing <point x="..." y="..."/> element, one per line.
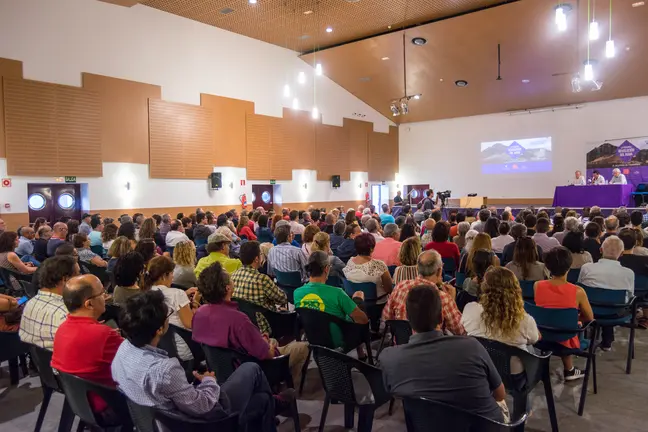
<point x="446" y="153"/>
<point x="58" y="40"/>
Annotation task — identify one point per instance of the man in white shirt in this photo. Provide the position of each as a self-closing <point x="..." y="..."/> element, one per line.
<point x="579" y="179"/>
<point x="617" y="177"/>
<point x="541" y="238"/>
<point x="597" y="178"/>
<point x="503" y="238"/>
<point x="483" y="216"/>
<point x="176" y="234"/>
<point x="608" y="273"/>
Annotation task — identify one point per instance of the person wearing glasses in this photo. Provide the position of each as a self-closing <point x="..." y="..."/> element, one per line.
<point x="82" y="345"/>
<point x="59" y="235"/>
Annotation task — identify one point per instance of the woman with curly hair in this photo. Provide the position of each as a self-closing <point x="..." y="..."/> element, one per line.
<point x="500" y="314"/>
<point x="184" y="257"/>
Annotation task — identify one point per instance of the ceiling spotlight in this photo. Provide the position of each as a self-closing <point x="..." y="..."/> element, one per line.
<point x="394" y="109"/>
<point x="295" y="104"/>
<point x="594" y="30"/>
<point x="329" y="29"/>
<point x="301" y="78"/>
<point x="419" y="41"/>
<point x="308" y="12"/>
<point x="384" y="58"/>
<point x="461" y="83"/>
<point x="286" y="91"/>
<point x="639" y="3"/>
<point x="315" y="113"/>
<point x="404" y="106"/>
<point x="252" y="1"/>
<point x="526" y="81"/>
<point x="417" y="97"/>
<point x="318" y="69"/>
<point x="561" y="16"/>
<point x="576" y="85"/>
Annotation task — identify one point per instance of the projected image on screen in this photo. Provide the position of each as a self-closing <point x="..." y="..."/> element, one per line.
<point x="516" y="156"/>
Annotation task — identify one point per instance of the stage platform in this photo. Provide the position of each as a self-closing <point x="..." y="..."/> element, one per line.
<point x="396" y="210"/>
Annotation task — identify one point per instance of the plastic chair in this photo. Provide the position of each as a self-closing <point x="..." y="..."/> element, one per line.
<point x="449" y="267"/>
<point x="42" y="359"/>
<point x="337" y="379"/>
<point x="611" y="310"/>
<point x="100" y="272"/>
<point x="400" y="330"/>
<point x="392" y="269"/>
<point x="98" y="249"/>
<point x="76" y="393"/>
<point x="536" y="369"/>
<point x="201" y="252"/>
<point x="12" y="351"/>
<point x="298" y="238"/>
<point x="29" y="288"/>
<point x="282" y="324"/>
<point x="335" y="281"/>
<point x="527" y="290"/>
<point x="425" y="415"/>
<point x="200" y="242"/>
<point x="289" y="282"/>
<point x="572" y="275"/>
<point x="112" y="312"/>
<point x="368" y="288"/>
<point x="459" y="278"/>
<point x="146" y="420"/>
<point x="170" y="250"/>
<point x="560" y="325"/>
<point x="11" y="279"/>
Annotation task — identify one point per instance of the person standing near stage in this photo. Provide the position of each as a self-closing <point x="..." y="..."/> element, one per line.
<point x="398" y="200"/>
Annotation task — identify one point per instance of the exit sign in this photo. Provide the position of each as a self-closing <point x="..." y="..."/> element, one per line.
<point x="273" y="182"/>
<point x="70" y="179"/>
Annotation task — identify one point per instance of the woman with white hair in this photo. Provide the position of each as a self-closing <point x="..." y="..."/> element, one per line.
<point x="462" y="231"/>
<point x="571" y="225"/>
<point x="470" y="237"/>
<point x="617" y="177"/>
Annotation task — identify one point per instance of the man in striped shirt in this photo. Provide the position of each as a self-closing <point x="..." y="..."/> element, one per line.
<point x="45" y="312"/>
<point x="285" y="257"/>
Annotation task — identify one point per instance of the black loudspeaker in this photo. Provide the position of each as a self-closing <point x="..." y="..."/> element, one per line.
<point x="336" y="181"/>
<point x="215" y="180"/>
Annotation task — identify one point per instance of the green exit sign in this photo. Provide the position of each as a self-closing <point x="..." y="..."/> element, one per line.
<point x="70" y="179"/>
<point x="273" y="182"/>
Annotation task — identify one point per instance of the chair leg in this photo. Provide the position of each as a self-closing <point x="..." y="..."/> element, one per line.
<point x="47" y="395"/>
<point x="23" y="365"/>
<point x="67" y="418"/>
<point x="630" y="348"/>
<point x="551" y="406"/>
<point x="382" y="342"/>
<point x="588" y="369"/>
<point x="295" y="416"/>
<point x="14" y="372"/>
<point x="365" y="418"/>
<point x="305" y="370"/>
<point x="594" y="374"/>
<point x="370" y="359"/>
<point x="327" y="401"/>
<point x="391" y="405"/>
<point x="349" y="414"/>
<point x="81" y="426"/>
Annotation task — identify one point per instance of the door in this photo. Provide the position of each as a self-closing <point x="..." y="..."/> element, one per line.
<point x="53" y="201"/>
<point x="262" y="196"/>
<point x="416" y="193"/>
<point x="379" y="196"/>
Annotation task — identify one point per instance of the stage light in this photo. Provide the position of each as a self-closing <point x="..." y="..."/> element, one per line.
<point x="394" y="109"/>
<point x="286" y="91"/>
<point x="318" y="69"/>
<point x="315" y="113"/>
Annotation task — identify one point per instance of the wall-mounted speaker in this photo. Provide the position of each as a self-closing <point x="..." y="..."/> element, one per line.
<point x="215" y="180"/>
<point x="335" y="180"/>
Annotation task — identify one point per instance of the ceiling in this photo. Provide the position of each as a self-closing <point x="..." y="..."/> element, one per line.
<point x="465" y="48"/>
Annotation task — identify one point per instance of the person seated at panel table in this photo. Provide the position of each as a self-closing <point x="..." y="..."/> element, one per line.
<point x="617" y="177"/>
<point x="579" y="179"/>
<point x="597" y="178"/>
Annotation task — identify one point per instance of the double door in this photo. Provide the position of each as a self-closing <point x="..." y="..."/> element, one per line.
<point x="53" y="201"/>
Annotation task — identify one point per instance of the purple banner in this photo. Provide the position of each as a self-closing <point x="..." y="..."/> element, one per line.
<point x="627" y="151"/>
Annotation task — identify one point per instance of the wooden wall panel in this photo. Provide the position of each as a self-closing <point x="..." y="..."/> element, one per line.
<point x="10" y="69"/>
<point x="181" y="138"/>
<point x="299" y="129"/>
<point x="282" y="156"/>
<point x="383" y="155"/>
<point x="229" y="117"/>
<point x="51" y="130"/>
<point x="124" y="117"/>
<point x="358" y="132"/>
<point x="258" y="147"/>
<point x="332" y="153"/>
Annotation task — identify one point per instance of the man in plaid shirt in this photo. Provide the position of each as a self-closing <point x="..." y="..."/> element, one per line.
<point x="256" y="287"/>
<point x="430" y="272"/>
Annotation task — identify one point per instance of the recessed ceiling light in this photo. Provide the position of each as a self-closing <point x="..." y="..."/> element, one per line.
<point x="440" y="79"/>
<point x="252" y="1"/>
<point x="419" y="41"/>
<point x="308" y="12"/>
<point x="526" y="81"/>
<point x="329" y="29"/>
<point x="461" y="83"/>
<point x="637" y="4"/>
<point x="389" y="27"/>
<point x="385" y="58"/>
<point x="627" y="48"/>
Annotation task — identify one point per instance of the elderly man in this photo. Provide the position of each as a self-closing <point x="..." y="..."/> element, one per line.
<point x="483" y="216"/>
<point x="371" y="225"/>
<point x="430" y="273"/>
<point x="571" y="225"/>
<point x="429" y="227"/>
<point x="26" y="242"/>
<point x="40" y="244"/>
<point x="285" y="257"/>
<point x="388" y="249"/>
<point x="58" y="238"/>
<point x="85" y="227"/>
<point x="218" y="247"/>
<point x="579" y="179"/>
<point x="611" y="227"/>
<point x="608" y="273"/>
<point x="176" y="234"/>
<point x="617" y="177"/>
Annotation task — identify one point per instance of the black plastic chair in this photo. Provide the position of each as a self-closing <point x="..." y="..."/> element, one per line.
<point x="168" y="344"/>
<point x="298" y="238"/>
<point x="97" y="250"/>
<point x="29" y="288"/>
<point x="317" y="326"/>
<point x="335" y="370"/>
<point x="425" y="415"/>
<point x="12" y="350"/>
<point x="100" y="272"/>
<point x="400" y="330"/>
<point x="42" y="358"/>
<point x="76" y="393"/>
<point x="449" y="267"/>
<point x="572" y="275"/>
<point x="536" y="369"/>
<point x="146" y="419"/>
<point x="289" y="282"/>
<point x="11" y="281"/>
<point x="335" y="281"/>
<point x="527" y="290"/>
<point x="224" y="361"/>
<point x="282" y="324"/>
<point x="112" y="312"/>
<point x="392" y="269"/>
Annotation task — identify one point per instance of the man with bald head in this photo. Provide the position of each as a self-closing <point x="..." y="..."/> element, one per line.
<point x="59" y="234"/>
<point x="83" y="346"/>
<point x="429" y="227"/>
<point x="26" y="241"/>
<point x="430" y="273"/>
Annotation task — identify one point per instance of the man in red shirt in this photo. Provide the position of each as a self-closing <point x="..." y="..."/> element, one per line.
<point x="82" y="345"/>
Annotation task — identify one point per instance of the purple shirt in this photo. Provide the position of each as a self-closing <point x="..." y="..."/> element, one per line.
<point x="224" y="326"/>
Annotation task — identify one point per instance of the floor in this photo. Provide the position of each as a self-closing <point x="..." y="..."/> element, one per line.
<point x="618" y="406"/>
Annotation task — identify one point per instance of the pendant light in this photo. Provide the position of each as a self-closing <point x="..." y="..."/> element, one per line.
<point x="593" y="25"/>
<point x="609" y="45"/>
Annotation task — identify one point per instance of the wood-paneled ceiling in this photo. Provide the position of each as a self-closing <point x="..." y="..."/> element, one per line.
<point x="465" y="48"/>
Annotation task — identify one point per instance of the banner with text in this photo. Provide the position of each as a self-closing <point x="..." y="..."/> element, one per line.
<point x="630" y="155"/>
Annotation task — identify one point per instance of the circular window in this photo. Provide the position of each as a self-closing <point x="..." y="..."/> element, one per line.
<point x="253" y="197"/>
<point x="36" y="202"/>
<point x="265" y="196"/>
<point x="415" y="194"/>
<point x="66" y="201"/>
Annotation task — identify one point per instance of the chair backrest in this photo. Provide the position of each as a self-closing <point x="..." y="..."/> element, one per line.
<point x="289" y="279"/>
<point x="555" y="325"/>
<point x="200" y="242"/>
<point x="572" y="275"/>
<point x="317" y="326"/>
<point x="170" y="250"/>
<point x="42" y="358"/>
<point x="392" y="269"/>
<point x="459" y="278"/>
<point x="401" y="330"/>
<point x="222" y="361"/>
<point x="29" y="288"/>
<point x="449" y="265"/>
<point x="97" y="249"/>
<point x="606" y="302"/>
<point x="168" y="344"/>
<point x="368" y="288"/>
<point x="76" y="393"/>
<point x="100" y="272"/>
<point x="298" y="238"/>
<point x="11" y="281"/>
<point x="143" y="416"/>
<point x="527" y="289"/>
<point x="421" y="413"/>
<point x="641" y="285"/>
<point x="281" y="323"/>
<point x="11" y="346"/>
<point x="499" y="255"/>
<point x="335" y="281"/>
<point x="642" y="187"/>
<point x="112" y="313"/>
<point x="201" y="251"/>
<point x="186" y="335"/>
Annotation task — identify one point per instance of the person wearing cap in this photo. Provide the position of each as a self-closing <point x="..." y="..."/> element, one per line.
<point x="85" y="227"/>
<point x="218" y="246"/>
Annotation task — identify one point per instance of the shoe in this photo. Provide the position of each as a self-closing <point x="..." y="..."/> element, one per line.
<point x="574" y="374"/>
<point x="284" y="401"/>
<point x="606" y="348"/>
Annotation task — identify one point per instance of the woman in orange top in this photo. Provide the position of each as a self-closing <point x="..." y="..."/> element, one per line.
<point x="243" y="228"/>
<point x="557" y="293"/>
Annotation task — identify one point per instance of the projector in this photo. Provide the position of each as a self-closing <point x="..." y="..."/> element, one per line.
<point x="472" y="195"/>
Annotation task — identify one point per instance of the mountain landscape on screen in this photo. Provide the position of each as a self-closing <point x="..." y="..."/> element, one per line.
<point x="502" y="154"/>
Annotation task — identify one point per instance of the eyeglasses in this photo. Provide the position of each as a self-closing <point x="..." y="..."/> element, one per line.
<point x="102" y="293"/>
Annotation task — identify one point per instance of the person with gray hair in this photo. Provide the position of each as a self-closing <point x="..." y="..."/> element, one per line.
<point x="364" y="219"/>
<point x="572" y="224"/>
<point x="611" y="227"/>
<point x="337" y="237"/>
<point x="460" y="238"/>
<point x="285" y="257"/>
<point x="617" y="177"/>
<point x="388" y="249"/>
<point x="430" y="273"/>
<point x="125" y="219"/>
<point x="372" y="227"/>
<point x="608" y="273"/>
<point x="165" y="226"/>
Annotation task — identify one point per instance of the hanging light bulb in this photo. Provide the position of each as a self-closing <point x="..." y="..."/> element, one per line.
<point x="318" y="69"/>
<point x="295" y="104"/>
<point x="315" y="113"/>
<point x="593" y="30"/>
<point x="286" y="91"/>
<point x="609" y="49"/>
<point x="301" y="78"/>
<point x="561" y="19"/>
<point x="589" y="72"/>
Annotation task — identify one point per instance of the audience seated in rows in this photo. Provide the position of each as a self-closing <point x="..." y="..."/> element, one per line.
<point x="307" y="238"/>
<point x="592" y="241"/>
<point x="574" y="242"/>
<point x="387" y="250"/>
<point x="460" y="238"/>
<point x="483" y="216"/>
<point x="518" y="231"/>
<point x="264" y="233"/>
<point x="482" y="260"/>
<point x="25" y="242"/>
<point x="285" y="257"/>
<point x="44" y="233"/>
<point x="346" y="249"/>
<point x="128" y="272"/>
<point x="9" y="260"/>
<point x="363" y="268"/>
<point x="184" y="257"/>
<point x="541" y="238"/>
<point x="503" y="238"/>
<point x="86" y="256"/>
<point x="480" y="241"/>
<point x="526" y="264"/>
<point x="59" y="235"/>
<point x="176" y="234"/>
<point x="440" y="243"/>
<point x="322" y="242"/>
<point x="386" y="216"/>
<point x="218" y="247"/>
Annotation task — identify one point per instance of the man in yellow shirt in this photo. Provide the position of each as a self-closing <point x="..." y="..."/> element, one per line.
<point x="218" y="246"/>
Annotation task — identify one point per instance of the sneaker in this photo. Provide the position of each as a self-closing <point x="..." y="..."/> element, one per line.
<point x="605" y="346"/>
<point x="284" y="401"/>
<point x="574" y="374"/>
<point x="358" y="295"/>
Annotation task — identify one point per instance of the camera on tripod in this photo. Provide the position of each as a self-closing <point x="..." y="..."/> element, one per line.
<point x="444" y="195"/>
